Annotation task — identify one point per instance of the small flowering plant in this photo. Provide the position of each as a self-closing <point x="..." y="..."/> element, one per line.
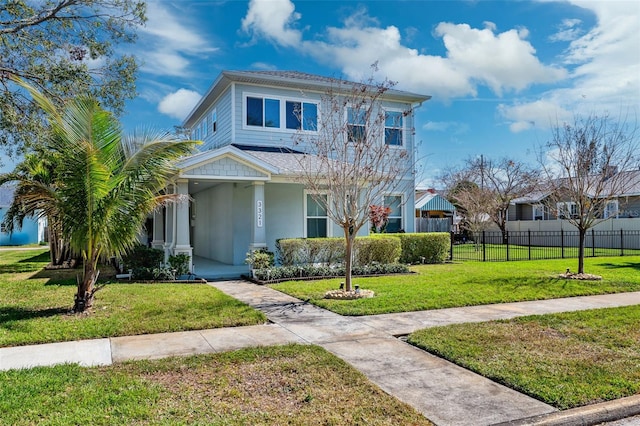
<point x="379" y="217"/>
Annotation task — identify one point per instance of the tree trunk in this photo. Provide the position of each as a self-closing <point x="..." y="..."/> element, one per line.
<point x="348" y="258"/>
<point x="582" y="234"/>
<point x="84" y="295"/>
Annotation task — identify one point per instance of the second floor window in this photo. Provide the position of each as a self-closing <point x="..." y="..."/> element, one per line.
<point x="356" y="124"/>
<point x="263" y="112"/>
<point x="393" y="125"/>
<point x="301" y="115"/>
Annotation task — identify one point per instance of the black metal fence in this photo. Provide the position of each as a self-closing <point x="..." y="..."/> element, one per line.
<point x="532" y="245"/>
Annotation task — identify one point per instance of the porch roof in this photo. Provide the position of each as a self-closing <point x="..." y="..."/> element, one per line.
<point x="431" y="201"/>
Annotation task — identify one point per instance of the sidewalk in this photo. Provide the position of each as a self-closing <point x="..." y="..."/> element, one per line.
<point x="441" y="391"/>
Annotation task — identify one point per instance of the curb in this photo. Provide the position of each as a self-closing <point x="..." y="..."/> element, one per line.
<point x="584" y="416"/>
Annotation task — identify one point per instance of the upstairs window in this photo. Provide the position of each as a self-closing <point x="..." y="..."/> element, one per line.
<point x="356" y="124"/>
<point x="214" y="121"/>
<point x="301" y="115"/>
<point x="263" y="112"/>
<point x="393" y="125"/>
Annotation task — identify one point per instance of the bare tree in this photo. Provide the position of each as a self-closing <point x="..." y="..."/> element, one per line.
<point x="356" y="158"/>
<point x="588" y="164"/>
<point x="471" y="201"/>
<point x="495" y="184"/>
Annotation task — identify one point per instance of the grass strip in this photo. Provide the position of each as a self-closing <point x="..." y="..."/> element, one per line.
<point x="293" y="385"/>
<point x="472" y="283"/>
<point x="566" y="360"/>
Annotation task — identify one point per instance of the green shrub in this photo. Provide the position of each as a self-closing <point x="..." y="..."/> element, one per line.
<point x="141" y="256"/>
<point x="309" y="271"/>
<point x="430" y="247"/>
<point x="383" y="250"/>
<point x="179" y="263"/>
<point x="259" y="259"/>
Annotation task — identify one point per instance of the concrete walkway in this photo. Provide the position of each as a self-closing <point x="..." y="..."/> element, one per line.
<point x="445" y="393"/>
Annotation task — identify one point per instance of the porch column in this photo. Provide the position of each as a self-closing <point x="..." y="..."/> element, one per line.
<point x="169" y="213"/>
<point x="182" y="221"/>
<point x="258" y="233"/>
<point x="158" y="225"/>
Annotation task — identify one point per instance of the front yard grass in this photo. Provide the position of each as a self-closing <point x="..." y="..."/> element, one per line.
<point x="292" y="385"/>
<point x="472" y="283"/>
<point x="34" y="305"/>
<point x="566" y="360"/>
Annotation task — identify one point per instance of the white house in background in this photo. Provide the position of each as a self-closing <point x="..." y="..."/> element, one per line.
<point x="242" y="182"/>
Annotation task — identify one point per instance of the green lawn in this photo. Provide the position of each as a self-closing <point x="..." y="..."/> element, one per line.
<point x="292" y="385"/>
<point x="34" y="305"/>
<point x="472" y="283"/>
<point x="566" y="360"/>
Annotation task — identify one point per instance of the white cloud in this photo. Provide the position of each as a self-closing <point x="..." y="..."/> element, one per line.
<point x="179" y="103"/>
<point x="454" y="127"/>
<point x="606" y="70"/>
<point x="541" y="114"/>
<point x="273" y="19"/>
<point x="502" y="61"/>
<point x="568" y="30"/>
<point x="168" y="41"/>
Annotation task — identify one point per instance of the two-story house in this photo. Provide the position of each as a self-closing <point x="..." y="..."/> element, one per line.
<point x="242" y="184"/>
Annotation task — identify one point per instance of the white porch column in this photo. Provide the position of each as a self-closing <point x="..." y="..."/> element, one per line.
<point x="182" y="221"/>
<point x="258" y="232"/>
<point x="158" y="225"/>
<point x="169" y="213"/>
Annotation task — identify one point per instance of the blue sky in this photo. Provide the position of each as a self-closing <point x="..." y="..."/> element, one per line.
<point x="499" y="72"/>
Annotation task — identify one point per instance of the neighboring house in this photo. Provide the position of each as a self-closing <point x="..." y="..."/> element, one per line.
<point x="623" y="209"/>
<point x="32" y="230"/>
<point x="242" y="183"/>
<point x="434" y="213"/>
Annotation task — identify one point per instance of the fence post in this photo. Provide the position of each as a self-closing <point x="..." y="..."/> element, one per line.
<point x="621" y="242"/>
<point x="451" y="246"/>
<point x="507" y="235"/>
<point x="593" y="243"/>
<point x="484" y="248"/>
<point x="529" y="242"/>
<point x="562" y="242"/>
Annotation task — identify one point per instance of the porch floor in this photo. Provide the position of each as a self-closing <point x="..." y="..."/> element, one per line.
<point x="214" y="270"/>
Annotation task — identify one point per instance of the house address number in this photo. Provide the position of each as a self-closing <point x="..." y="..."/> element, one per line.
<point x="259" y="213"/>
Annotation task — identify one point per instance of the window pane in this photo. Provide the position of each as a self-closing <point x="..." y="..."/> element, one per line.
<point x="214" y="121"/>
<point x="254" y="112"/>
<point x="271" y="113"/>
<point x="355" y="117"/>
<point x="394" y="203"/>
<point x="310" y="116"/>
<point x="314" y="208"/>
<point x="394" y="225"/>
<point x="316" y="227"/>
<point x="393" y="137"/>
<point x="393" y="119"/>
<point x="293" y="113"/>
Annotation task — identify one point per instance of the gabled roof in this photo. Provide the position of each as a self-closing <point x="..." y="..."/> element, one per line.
<point x="289" y="80"/>
<point x="432" y="201"/>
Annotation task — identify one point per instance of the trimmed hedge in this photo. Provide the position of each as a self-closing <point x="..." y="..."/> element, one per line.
<point x="331" y="251"/>
<point x="432" y="246"/>
<point x="281" y="273"/>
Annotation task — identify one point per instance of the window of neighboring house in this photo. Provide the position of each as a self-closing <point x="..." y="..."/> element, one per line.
<point x="316" y="216"/>
<point x="213" y="127"/>
<point x="196" y="132"/>
<point x="263" y="112"/>
<point x="611" y="210"/>
<point x="393" y="126"/>
<point x="3" y="228"/>
<point x="356" y="124"/>
<point x="538" y="212"/>
<point x="567" y="210"/>
<point x="394" y="202"/>
<point x="301" y="115"/>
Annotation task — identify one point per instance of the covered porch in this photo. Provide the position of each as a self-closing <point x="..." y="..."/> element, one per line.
<point x="212" y="270"/>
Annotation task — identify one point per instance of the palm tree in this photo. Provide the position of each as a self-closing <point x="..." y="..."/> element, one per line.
<point x="107" y="183"/>
<point x="36" y="196"/>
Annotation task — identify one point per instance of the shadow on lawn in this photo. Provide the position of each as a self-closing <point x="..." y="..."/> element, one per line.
<point x="9" y="313"/>
<point x="627" y="265"/>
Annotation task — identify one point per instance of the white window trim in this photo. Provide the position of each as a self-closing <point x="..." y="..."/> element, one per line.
<point x="283" y="113"/>
<point x="304" y="210"/>
<point x="538" y="207"/>
<point x="403" y="128"/>
<point x="565" y="206"/>
<point x="402" y="207"/>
